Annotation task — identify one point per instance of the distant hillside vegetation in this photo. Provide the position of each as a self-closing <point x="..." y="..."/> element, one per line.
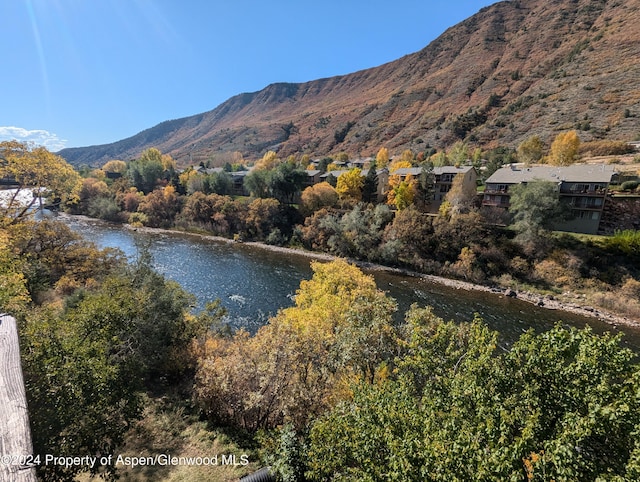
<point x="514" y="69"/>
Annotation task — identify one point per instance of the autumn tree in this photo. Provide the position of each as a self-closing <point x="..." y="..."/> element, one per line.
<point x="349" y="185"/>
<point x="269" y="161"/>
<point x="161" y="207"/>
<point x="36" y="171"/>
<point x="564" y="149"/>
<point x="402" y="192"/>
<point x="530" y="150"/>
<point x="318" y="196"/>
<point x="299" y="364"/>
<point x="382" y="158"/>
<point x="461" y="196"/>
<point x="115" y="166"/>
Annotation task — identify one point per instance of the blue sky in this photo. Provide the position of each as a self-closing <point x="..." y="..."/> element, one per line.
<point x="85" y="72"/>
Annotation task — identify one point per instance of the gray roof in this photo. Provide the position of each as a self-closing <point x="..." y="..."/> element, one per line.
<point x="574" y="173"/>
<point x="452" y="169"/>
<point x="416" y="171"/>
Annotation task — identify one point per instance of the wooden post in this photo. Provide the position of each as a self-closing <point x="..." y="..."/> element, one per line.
<point x="15" y="435"/>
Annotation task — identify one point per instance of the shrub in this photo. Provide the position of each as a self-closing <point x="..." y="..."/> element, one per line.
<point x="629" y="185"/>
<point x="605" y="148"/>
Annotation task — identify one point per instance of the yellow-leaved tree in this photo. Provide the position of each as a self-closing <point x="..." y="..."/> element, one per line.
<point x="564" y="149"/>
<point x="305" y="359"/>
<point x="382" y="158"/>
<point x="37" y="170"/>
<point x="349" y="185"/>
<point x="402" y="192"/>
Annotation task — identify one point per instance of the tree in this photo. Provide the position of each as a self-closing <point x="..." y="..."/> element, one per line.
<point x="318" y="196"/>
<point x="461" y="196"/>
<point x="564" y="149"/>
<point x="161" y="207"/>
<point x="401" y="192"/>
<point x="425" y="187"/>
<point x="286" y="181"/>
<point x="257" y="182"/>
<point x="218" y="183"/>
<point x="115" y="166"/>
<point x="349" y="185"/>
<point x="147" y="172"/>
<point x="559" y="405"/>
<point x="370" y="185"/>
<point x="36" y="170"/>
<point x="86" y="364"/>
<point x="536" y="208"/>
<point x="458" y="153"/>
<point x="269" y="161"/>
<point x="382" y="158"/>
<point x="530" y="150"/>
<point x="296" y="366"/>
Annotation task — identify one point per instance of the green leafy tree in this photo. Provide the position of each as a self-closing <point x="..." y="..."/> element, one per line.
<point x="561" y="405"/>
<point x="370" y="186"/>
<point x="258" y="183"/>
<point x="536" y="208"/>
<point x="286" y="181"/>
<point x="147" y="172"/>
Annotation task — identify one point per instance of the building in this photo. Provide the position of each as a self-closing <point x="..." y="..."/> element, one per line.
<point x="583" y="186"/>
<point x="443" y="179"/>
<point x="383" y="179"/>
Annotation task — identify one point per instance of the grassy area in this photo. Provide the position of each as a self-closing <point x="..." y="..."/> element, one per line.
<point x="169" y="427"/>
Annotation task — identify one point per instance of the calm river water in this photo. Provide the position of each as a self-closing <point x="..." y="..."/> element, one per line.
<point x="253" y="283"/>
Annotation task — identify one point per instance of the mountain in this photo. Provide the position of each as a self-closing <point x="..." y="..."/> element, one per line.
<point x="514" y="69"/>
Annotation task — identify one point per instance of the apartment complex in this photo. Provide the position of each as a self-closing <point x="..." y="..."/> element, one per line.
<point x="584" y="187"/>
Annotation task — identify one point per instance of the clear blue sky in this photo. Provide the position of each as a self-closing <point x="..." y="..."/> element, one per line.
<point x="84" y="72"/>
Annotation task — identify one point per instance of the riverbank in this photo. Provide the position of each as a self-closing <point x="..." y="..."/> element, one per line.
<point x="540" y="300"/>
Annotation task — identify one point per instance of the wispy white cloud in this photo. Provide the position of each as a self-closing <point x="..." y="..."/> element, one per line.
<point x="39" y="137"/>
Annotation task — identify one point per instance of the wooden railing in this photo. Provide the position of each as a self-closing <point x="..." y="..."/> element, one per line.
<point x="15" y="435"/>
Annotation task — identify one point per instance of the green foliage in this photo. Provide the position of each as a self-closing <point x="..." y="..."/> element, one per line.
<point x="626" y="242"/>
<point x="146" y="173"/>
<point x="370" y="186"/>
<point x="562" y="403"/>
<point x="629" y="185"/>
<point x="103" y="208"/>
<point x="358" y="233"/>
<point x="536" y="207"/>
<point x="86" y="365"/>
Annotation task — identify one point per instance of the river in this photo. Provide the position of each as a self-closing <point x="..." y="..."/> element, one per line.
<point x="253" y="283"/>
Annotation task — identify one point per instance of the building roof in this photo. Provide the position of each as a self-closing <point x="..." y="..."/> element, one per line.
<point x="451" y="169"/>
<point x="575" y="173"/>
<point x="416" y="171"/>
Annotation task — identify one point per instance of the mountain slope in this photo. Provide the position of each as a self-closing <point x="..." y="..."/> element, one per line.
<point x="514" y="69"/>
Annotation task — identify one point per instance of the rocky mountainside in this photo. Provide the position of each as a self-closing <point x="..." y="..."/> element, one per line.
<point x="514" y="69"/>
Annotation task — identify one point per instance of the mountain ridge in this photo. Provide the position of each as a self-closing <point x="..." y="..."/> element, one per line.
<point x="514" y="69"/>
